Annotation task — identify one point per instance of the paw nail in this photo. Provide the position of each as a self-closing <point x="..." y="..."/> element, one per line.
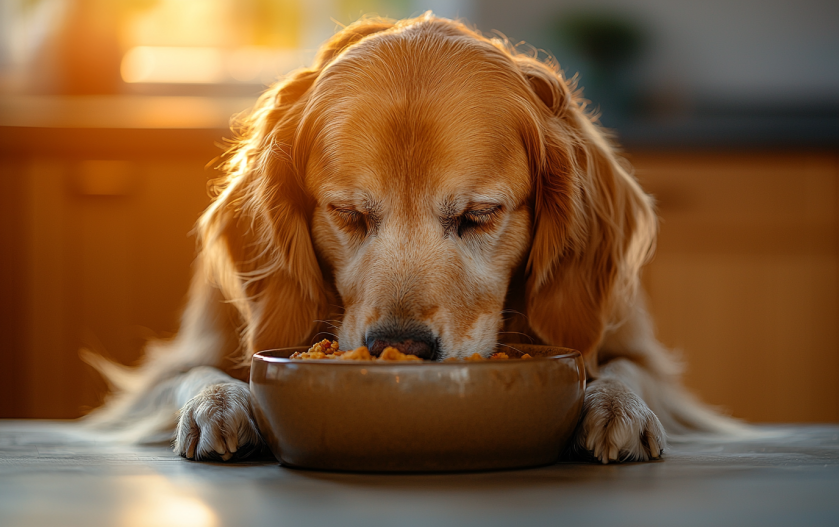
<point x="232" y="444"/>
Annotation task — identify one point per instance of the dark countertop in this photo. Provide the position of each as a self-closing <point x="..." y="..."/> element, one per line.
<point x="42" y="124"/>
<point x="116" y="127"/>
<point x="52" y="475"/>
<point x="759" y="131"/>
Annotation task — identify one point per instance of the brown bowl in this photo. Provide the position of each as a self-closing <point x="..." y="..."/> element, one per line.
<point x="418" y="416"/>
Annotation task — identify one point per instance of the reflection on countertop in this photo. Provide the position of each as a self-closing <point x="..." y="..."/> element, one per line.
<point x="51" y="475"/>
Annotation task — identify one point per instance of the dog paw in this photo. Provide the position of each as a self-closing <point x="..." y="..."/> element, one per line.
<point x="617" y="425"/>
<point x="217" y="424"/>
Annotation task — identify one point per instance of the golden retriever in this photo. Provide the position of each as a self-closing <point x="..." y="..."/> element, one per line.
<point x="427" y="188"/>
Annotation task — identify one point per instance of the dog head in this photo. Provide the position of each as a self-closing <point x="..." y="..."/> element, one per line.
<point x="405" y="178"/>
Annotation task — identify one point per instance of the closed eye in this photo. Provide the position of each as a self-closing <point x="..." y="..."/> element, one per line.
<point x="483" y="215"/>
<point x="478" y="219"/>
<point x="347" y="215"/>
<point x="353" y="221"/>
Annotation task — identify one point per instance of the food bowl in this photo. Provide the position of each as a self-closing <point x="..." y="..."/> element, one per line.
<point x="418" y="416"/>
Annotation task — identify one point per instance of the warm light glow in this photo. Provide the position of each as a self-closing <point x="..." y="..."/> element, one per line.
<point x="246" y="64"/>
<point x="137" y="65"/>
<point x="231" y="42"/>
<point x="177" y="65"/>
<point x="173" y="65"/>
<point x="154" y="500"/>
<point x="204" y="23"/>
<point x="264" y="65"/>
<point x="172" y="511"/>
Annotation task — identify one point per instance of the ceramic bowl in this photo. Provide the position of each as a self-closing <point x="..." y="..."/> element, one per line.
<point x="418" y="416"/>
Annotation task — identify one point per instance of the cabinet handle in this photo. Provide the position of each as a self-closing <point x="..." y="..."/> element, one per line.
<point x="105" y="178"/>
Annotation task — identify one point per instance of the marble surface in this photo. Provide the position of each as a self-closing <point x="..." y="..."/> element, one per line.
<point x="52" y="474"/>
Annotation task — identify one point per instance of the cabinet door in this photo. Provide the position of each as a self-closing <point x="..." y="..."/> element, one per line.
<point x="744" y="281"/>
<point x="106" y="253"/>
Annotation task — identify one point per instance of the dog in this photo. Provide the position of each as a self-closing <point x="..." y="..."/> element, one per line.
<point x="423" y="187"/>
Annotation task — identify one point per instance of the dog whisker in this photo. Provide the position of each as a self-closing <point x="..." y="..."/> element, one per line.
<point x="508" y="346"/>
<point x="512" y="312"/>
<point x="529" y="337"/>
<point x="333" y="335"/>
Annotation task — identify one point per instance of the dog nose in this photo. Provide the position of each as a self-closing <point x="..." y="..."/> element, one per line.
<point x="421" y="345"/>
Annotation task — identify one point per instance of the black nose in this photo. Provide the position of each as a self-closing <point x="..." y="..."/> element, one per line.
<point x="420" y="343"/>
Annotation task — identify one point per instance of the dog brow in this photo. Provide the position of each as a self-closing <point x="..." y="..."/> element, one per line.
<point x="371" y="205"/>
<point x="452" y="206"/>
<point x="360" y="199"/>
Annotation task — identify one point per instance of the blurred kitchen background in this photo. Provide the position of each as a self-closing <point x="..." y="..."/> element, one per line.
<point x="112" y="112"/>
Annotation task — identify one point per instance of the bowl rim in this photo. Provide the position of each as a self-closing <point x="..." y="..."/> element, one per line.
<point x="264" y="356"/>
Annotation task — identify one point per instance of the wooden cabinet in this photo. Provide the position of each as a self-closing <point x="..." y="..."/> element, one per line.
<point x="744" y="282"/>
<point x="103" y="271"/>
<point x="95" y="223"/>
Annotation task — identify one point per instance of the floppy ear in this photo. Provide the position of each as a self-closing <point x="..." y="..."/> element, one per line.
<point x="594" y="227"/>
<point x="256" y="239"/>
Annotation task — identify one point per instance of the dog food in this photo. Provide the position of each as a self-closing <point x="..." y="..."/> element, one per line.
<point x="327" y="349"/>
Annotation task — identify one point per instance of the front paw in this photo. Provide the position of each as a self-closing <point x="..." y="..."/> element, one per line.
<point x="617" y="425"/>
<point x="217" y="424"/>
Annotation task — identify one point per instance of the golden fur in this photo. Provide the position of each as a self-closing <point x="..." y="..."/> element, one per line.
<point x="418" y="175"/>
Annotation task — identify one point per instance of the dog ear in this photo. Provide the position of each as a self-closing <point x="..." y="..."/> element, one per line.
<point x="594" y="227"/>
<point x="256" y="240"/>
<point x="546" y="84"/>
